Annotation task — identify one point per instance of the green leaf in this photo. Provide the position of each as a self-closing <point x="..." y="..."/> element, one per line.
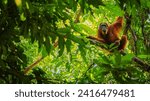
<point x="68" y="66"/>
<point x="117" y="58"/>
<point x="22" y="17"/>
<point x="76" y="39"/>
<point x="144" y="56"/>
<point x="111" y="45"/>
<point x="61" y="43"/>
<point x="114" y="9"/>
<point x="63" y="31"/>
<point x="47" y="45"/>
<point x="43" y="51"/>
<point x="148" y="4"/>
<point x="127" y="58"/>
<point x="86" y="28"/>
<point x="102" y="63"/>
<point x="82" y="3"/>
<point x="95" y="3"/>
<point x="76" y="27"/>
<point x="82" y="52"/>
<point x="105" y="59"/>
<point x="68" y="45"/>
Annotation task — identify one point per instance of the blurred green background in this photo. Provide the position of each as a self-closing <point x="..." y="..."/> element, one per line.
<point x="44" y="41"/>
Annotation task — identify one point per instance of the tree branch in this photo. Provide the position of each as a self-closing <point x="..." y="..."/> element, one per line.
<point x="27" y="69"/>
<point x="144" y="66"/>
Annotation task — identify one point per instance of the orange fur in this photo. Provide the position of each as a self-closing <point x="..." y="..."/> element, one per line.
<point x="110" y="34"/>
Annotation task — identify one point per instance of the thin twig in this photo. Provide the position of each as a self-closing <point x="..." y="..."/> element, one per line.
<point x="27" y="69"/>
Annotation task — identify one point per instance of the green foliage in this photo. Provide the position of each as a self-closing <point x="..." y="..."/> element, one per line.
<point x="32" y="28"/>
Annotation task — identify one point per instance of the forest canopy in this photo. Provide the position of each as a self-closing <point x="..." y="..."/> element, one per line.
<point x="45" y="41"/>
